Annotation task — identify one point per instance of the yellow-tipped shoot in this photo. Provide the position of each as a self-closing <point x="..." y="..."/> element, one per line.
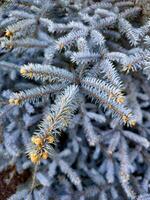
<point x="37" y="140"/>
<point x="50" y="139"/>
<point x="44" y="155"/>
<point x="132" y="123"/>
<point x="8" y="34"/>
<point x="61" y="46"/>
<point x="34" y="158"/>
<point x="120" y="99"/>
<point x="14" y="101"/>
<point x="24" y="72"/>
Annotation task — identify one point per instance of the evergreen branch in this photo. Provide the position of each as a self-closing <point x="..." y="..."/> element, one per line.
<point x="46" y="73"/>
<point x="119" y="111"/>
<point x="55" y="120"/>
<point x="102" y="86"/>
<point x="70" y="38"/>
<point x="110" y="73"/>
<point x="34" y="95"/>
<point x="126" y="28"/>
<point x="97" y="38"/>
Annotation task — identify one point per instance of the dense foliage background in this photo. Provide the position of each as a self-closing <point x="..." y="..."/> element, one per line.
<point x="75" y="99"/>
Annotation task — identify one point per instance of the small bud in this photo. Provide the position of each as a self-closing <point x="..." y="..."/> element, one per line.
<point x="125" y="118"/>
<point x="15" y="101"/>
<point x="23" y="71"/>
<point x="9" y="46"/>
<point x="30" y="74"/>
<point x="128" y="68"/>
<point x="50" y="139"/>
<point x="61" y="46"/>
<point x="110" y="95"/>
<point x="9" y="34"/>
<point x="120" y="99"/>
<point x="11" y="101"/>
<point x="132" y="123"/>
<point x="109" y="106"/>
<point x="34" y="158"/>
<point x="45" y="155"/>
<point x="37" y="140"/>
